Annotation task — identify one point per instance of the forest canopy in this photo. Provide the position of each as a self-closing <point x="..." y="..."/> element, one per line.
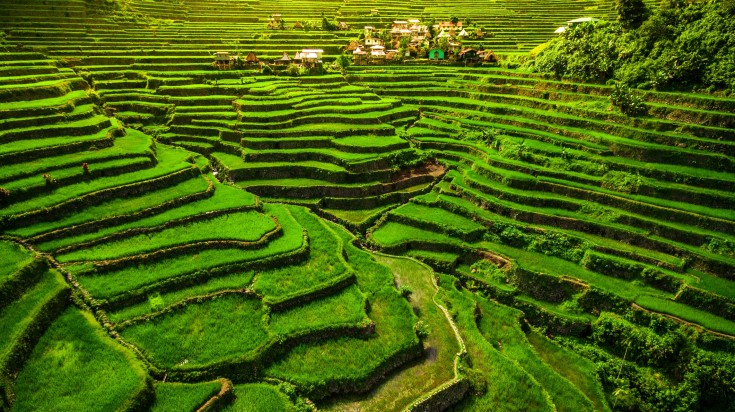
<point x="681" y="45"/>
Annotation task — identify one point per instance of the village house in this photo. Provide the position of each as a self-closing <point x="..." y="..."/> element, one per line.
<point x="285" y="60"/>
<point x="251" y="58"/>
<point x="311" y="57"/>
<point x="223" y="60"/>
<point x="275" y="21"/>
<point x="377" y="54"/>
<point x="359" y="57"/>
<point x="574" y="23"/>
<point x="373" y="41"/>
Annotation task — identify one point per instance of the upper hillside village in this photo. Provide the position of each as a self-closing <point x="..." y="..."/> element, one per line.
<point x="390" y="206"/>
<point x="403" y="40"/>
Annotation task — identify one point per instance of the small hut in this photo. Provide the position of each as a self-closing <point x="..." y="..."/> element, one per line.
<point x="463" y="33"/>
<point x="444" y="35"/>
<point x="377" y="54"/>
<point x="311" y="57"/>
<point x="354" y="45"/>
<point x="252" y="58"/>
<point x="469" y="56"/>
<point x="436" y="54"/>
<point x="284" y="60"/>
<point x="223" y="60"/>
<point x="359" y="56"/>
<point x="343" y="26"/>
<point x="490" y="57"/>
<point x="298" y="25"/>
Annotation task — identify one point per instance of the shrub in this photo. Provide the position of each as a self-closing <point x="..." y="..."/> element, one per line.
<point x="405" y="291"/>
<point x="622" y="182"/>
<point x="50" y="181"/>
<point x="683" y="45"/>
<point x="627" y="101"/>
<point x="343" y="62"/>
<point x="293" y="70"/>
<point x="631" y="13"/>
<point x="422" y="329"/>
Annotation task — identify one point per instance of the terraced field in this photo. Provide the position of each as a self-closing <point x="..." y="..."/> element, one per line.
<point x="403" y="237"/>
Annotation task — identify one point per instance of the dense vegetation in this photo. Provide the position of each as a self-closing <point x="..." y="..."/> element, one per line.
<point x="679" y="45"/>
<point x="415" y="236"/>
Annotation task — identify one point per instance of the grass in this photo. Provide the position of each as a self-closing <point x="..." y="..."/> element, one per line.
<point x="344" y="308"/>
<point x="257" y="397"/>
<point x="558" y="267"/>
<point x="19" y="315"/>
<point x="158" y="300"/>
<point x="117" y="207"/>
<point x="506" y="386"/>
<point x="225" y="197"/>
<point x="357" y="216"/>
<point x="201" y="334"/>
<point x="351" y="359"/>
<point x="437" y="216"/>
<point x="75" y="364"/>
<point x="687" y="313"/>
<point x="169" y="160"/>
<point x="14" y="257"/>
<point x="248" y="226"/>
<point x="441" y="346"/>
<point x="174" y="396"/>
<point x="134" y="143"/>
<point x="392" y="234"/>
<point x="133" y="277"/>
<point x="501" y="326"/>
<point x="324" y="265"/>
<point x="576" y="369"/>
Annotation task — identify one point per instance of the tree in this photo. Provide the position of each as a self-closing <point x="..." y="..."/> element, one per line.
<point x="454" y="20"/>
<point x="327" y="25"/>
<point x="343" y="62"/>
<point x="631" y="13"/>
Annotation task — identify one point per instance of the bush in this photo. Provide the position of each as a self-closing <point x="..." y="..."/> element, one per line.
<point x="627" y="101"/>
<point x="405" y="291"/>
<point x="682" y="45"/>
<point x="622" y="182"/>
<point x="631" y="13"/>
<point x="293" y="70"/>
<point x="422" y="329"/>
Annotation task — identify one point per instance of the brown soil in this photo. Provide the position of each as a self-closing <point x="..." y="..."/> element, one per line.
<point x="433" y="169"/>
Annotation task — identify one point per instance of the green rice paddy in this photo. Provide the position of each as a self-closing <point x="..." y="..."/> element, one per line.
<point x="416" y="236"/>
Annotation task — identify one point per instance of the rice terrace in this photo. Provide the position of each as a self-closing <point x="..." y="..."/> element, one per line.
<point x="340" y="205"/>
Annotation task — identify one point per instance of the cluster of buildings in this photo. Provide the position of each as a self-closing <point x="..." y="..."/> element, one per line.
<point x="410" y="37"/>
<point x="308" y="58"/>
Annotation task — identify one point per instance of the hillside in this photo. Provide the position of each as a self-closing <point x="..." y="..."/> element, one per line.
<point x="177" y="235"/>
